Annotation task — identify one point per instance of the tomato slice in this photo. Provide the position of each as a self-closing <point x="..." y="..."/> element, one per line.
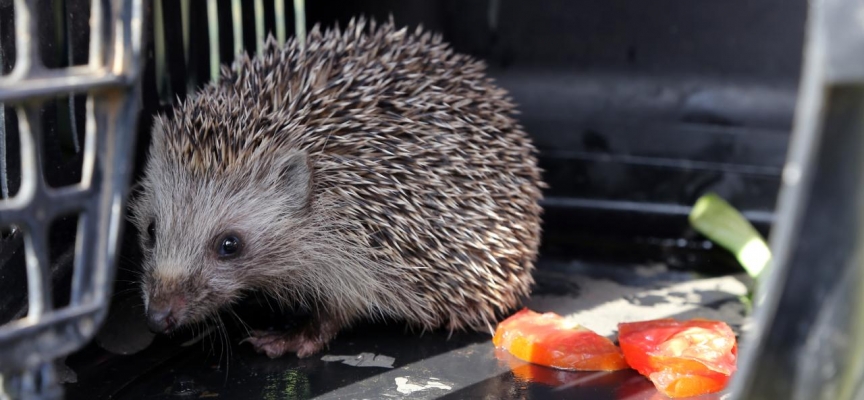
<point x="555" y="377"/>
<point x="553" y="341"/>
<point x="681" y="358"/>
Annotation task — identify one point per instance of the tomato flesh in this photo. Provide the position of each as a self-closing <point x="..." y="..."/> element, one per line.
<point x="681" y="358"/>
<point x="553" y="341"/>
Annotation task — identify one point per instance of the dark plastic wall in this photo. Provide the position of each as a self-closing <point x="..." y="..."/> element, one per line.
<point x="638" y="108"/>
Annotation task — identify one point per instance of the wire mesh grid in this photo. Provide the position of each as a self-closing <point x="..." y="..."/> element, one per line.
<point x="109" y="79"/>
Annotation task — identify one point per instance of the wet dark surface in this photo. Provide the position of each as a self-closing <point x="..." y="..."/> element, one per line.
<point x="466" y="366"/>
<point x="425" y="366"/>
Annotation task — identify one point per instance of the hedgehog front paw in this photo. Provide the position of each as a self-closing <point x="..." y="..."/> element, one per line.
<point x="310" y="339"/>
<point x="276" y="344"/>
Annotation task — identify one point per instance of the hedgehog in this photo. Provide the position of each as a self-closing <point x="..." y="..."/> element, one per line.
<point x="372" y="173"/>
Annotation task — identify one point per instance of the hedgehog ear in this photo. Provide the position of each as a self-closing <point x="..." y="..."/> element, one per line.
<point x="295" y="176"/>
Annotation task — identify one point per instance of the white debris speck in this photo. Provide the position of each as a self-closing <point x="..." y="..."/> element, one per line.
<point x="363" y="360"/>
<point x="403" y="386"/>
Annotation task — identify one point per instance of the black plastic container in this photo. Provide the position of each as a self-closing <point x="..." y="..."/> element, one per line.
<point x="638" y="108"/>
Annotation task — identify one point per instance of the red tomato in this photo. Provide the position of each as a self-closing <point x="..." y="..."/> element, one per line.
<point x="682" y="358"/>
<point x="551" y="340"/>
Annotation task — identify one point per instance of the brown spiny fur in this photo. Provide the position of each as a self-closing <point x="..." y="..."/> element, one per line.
<point x="421" y="200"/>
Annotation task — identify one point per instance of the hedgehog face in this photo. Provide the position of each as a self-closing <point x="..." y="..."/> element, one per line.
<point x="207" y="239"/>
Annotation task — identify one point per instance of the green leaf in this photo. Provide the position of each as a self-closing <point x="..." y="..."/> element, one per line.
<point x="724" y="225"/>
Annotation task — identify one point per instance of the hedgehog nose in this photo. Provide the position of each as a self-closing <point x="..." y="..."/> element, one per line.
<point x="160" y="320"/>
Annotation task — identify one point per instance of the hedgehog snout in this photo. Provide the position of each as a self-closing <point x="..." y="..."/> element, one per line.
<point x="166" y="314"/>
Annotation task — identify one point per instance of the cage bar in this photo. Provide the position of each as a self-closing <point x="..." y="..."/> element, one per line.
<point x="29" y="346"/>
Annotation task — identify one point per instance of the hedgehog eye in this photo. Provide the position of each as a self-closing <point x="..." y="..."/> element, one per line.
<point x="151" y="234"/>
<point x="229" y="246"/>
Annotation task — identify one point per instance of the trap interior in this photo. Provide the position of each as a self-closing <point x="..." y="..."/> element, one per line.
<point x="636" y="112"/>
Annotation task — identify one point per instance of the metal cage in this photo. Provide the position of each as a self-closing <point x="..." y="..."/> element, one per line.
<point x="28" y="346"/>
